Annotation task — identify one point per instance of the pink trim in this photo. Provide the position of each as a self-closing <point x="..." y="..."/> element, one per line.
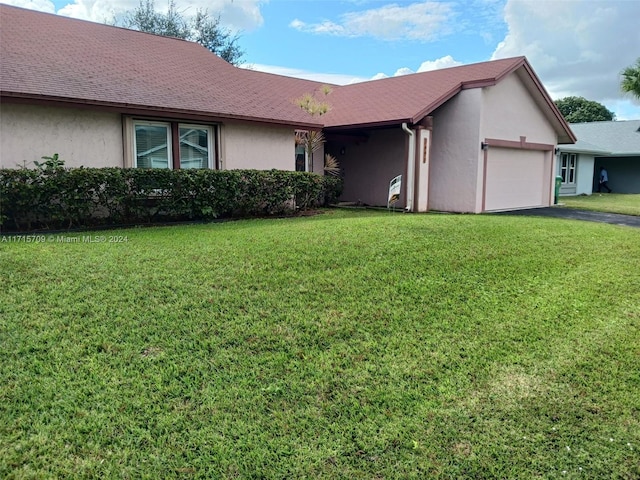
<point x="521" y="145"/>
<point x="142" y="110"/>
<point x="513" y="68"/>
<point x="484" y="178"/>
<point x="405" y="172"/>
<point x="479" y="84"/>
<point x="435" y="104"/>
<point x="552" y="183"/>
<point x="416" y="167"/>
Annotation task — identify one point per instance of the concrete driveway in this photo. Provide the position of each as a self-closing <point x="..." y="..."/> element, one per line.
<point x="586" y="215"/>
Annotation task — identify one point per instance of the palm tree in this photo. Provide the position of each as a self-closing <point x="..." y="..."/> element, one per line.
<point x="312" y="140"/>
<point x="631" y="79"/>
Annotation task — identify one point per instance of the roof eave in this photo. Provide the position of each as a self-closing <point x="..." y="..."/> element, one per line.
<point x="573" y="149"/>
<point x="437" y="103"/>
<point x="569" y="136"/>
<point x="466" y="85"/>
<point x="358" y="126"/>
<point x="134" y="109"/>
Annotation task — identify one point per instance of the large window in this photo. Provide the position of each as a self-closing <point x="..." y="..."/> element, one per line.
<point x="154" y="145"/>
<point x="568" y="168"/>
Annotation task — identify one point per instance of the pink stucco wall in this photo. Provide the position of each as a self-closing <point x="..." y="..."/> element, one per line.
<point x="257" y="146"/>
<point x="456" y="154"/>
<point x="79" y="137"/>
<point x="95" y="139"/>
<point x="510" y="112"/>
<point x="423" y="145"/>
<point x="506" y="111"/>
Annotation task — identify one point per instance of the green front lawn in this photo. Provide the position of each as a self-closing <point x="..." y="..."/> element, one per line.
<point x="628" y="204"/>
<point x="352" y="344"/>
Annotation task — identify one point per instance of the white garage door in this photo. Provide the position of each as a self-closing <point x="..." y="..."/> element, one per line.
<point x="515" y="179"/>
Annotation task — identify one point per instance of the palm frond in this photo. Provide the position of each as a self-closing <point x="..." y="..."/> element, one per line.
<point x="331" y="165"/>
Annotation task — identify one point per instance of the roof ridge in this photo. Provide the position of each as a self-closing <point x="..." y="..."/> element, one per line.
<point x="413" y="74"/>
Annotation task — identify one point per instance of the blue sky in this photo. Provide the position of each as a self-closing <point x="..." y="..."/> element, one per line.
<point x="365" y="38"/>
<point x="577" y="47"/>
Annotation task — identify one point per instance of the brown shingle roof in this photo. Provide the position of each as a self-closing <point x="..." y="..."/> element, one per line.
<point x="54" y="58"/>
<point x="408" y="98"/>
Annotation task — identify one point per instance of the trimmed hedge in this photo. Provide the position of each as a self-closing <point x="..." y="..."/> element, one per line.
<point x="58" y="198"/>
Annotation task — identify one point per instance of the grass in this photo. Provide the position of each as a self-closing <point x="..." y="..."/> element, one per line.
<point x="628" y="204"/>
<point x="346" y="345"/>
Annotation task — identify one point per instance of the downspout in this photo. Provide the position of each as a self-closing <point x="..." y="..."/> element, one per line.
<point x="411" y="167"/>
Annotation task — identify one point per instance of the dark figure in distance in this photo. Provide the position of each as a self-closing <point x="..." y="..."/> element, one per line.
<point x="604" y="178"/>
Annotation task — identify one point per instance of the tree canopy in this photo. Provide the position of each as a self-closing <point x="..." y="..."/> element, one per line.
<point x="201" y="28"/>
<point x="581" y="110"/>
<point x="631" y="79"/>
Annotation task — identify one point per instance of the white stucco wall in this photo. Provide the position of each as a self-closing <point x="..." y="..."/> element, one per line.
<point x="456" y="154"/>
<point x="257" y="146"/>
<point x="584" y="174"/>
<point x="80" y="137"/>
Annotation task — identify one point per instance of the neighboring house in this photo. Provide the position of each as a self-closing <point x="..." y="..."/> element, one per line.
<point x="466" y="139"/>
<point x="613" y="145"/>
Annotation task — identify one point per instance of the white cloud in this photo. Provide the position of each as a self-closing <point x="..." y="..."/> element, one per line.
<point x="426" y="66"/>
<point x="332" y="78"/>
<point x="341" y="79"/>
<point x="403" y="71"/>
<point x="577" y="48"/>
<point x="443" y="62"/>
<point x="39" y="5"/>
<point x="379" y="76"/>
<point x="624" y="109"/>
<point x="423" y="21"/>
<point x="238" y="15"/>
<point x="241" y="15"/>
<point x="96" y="10"/>
<point x="297" y="24"/>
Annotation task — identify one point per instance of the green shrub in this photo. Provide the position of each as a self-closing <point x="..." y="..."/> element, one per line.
<point x="59" y="198"/>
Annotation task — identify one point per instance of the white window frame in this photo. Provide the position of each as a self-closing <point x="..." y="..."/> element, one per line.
<point x="167" y="126"/>
<point x="568" y="168"/>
